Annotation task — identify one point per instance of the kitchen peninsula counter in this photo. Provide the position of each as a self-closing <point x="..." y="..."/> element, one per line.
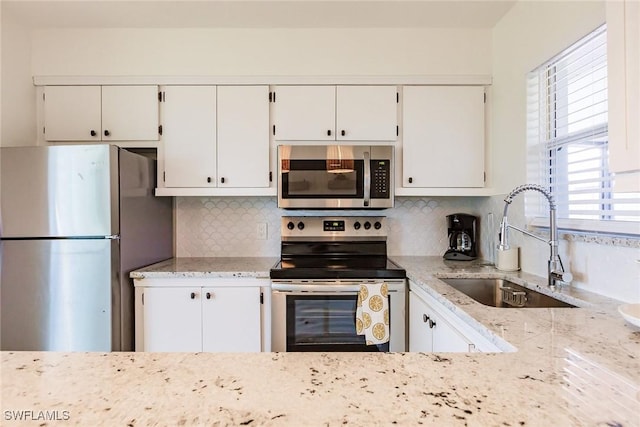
<point x="573" y="366"/>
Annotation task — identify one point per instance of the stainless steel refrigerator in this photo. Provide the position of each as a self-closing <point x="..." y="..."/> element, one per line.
<point x="75" y="220"/>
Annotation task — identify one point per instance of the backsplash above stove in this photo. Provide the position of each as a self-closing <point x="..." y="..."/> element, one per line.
<point x="227" y="226"/>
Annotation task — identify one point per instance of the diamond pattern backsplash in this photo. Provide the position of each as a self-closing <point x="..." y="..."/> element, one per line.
<point x="227" y="226"/>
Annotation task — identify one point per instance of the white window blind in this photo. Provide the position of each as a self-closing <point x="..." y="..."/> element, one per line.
<point x="568" y="142"/>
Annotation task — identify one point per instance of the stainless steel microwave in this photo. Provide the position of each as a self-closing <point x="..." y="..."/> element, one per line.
<point x="335" y="176"/>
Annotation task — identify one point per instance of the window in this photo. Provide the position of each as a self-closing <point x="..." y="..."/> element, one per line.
<point x="567" y="140"/>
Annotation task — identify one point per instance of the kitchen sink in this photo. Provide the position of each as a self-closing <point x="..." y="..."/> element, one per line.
<point x="503" y="293"/>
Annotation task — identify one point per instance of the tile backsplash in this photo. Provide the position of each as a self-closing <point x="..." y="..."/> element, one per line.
<point x="227" y="226"/>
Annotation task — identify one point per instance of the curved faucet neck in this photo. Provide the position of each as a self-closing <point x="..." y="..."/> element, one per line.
<point x="554" y="264"/>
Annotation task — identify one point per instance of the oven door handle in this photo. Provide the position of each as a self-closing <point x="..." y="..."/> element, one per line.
<point x="348" y="287"/>
<point x="367" y="178"/>
<point x="325" y="288"/>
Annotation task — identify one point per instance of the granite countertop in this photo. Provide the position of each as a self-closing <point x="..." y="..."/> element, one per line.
<point x="208" y="268"/>
<point x="573" y="366"/>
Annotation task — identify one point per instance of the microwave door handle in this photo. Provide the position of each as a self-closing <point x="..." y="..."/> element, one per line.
<point x="367" y="179"/>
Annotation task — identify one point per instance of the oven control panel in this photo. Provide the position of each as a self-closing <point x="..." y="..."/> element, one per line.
<point x="333" y="224"/>
<point x="334" y="227"/>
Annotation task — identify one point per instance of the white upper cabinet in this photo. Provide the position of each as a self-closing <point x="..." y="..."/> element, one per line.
<point x="101" y="113"/>
<point x="335" y="113"/>
<point x="189" y="136"/>
<point x="129" y="113"/>
<point x="214" y="137"/>
<point x="305" y="113"/>
<point x="367" y="113"/>
<point x="443" y="136"/>
<point x="243" y="136"/>
<point x="623" y="58"/>
<point x="72" y="113"/>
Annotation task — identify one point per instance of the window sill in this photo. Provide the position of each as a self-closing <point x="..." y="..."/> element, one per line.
<point x="613" y="233"/>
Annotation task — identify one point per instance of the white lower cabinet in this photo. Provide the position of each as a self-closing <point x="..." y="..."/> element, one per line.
<point x="433" y="329"/>
<point x="199" y="316"/>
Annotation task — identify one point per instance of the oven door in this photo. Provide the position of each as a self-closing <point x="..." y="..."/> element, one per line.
<point x="320" y="316"/>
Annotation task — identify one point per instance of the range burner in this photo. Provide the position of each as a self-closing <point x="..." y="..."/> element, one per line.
<point x="335" y="248"/>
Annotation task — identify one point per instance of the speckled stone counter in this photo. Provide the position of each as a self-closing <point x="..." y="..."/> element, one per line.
<point x="573" y="366"/>
<point x="208" y="268"/>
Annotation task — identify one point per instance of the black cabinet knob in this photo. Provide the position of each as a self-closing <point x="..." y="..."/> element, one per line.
<point x="410" y="180"/>
<point x="432" y="324"/>
<point x="425" y="318"/>
<point x="209" y="179"/>
<point x="222" y="180"/>
<point x="106" y="132"/>
<point x="291" y="225"/>
<point x="329" y="132"/>
<point x="208" y="295"/>
<point x="343" y="133"/>
<point x="193" y="295"/>
<point x="93" y="132"/>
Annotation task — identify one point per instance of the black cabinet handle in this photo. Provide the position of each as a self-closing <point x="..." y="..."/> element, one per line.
<point x="193" y="295"/>
<point x="431" y="323"/>
<point x="106" y="132"/>
<point x="410" y="180"/>
<point x="93" y="132"/>
<point x="343" y="133"/>
<point x="222" y="180"/>
<point x="425" y="318"/>
<point x="209" y="179"/>
<point x="208" y="295"/>
<point x="329" y="132"/>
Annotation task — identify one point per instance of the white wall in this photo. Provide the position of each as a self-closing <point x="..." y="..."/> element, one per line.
<point x="17" y="93"/>
<point x="185" y="52"/>
<point x="529" y="34"/>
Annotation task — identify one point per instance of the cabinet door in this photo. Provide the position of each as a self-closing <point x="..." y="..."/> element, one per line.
<point x="243" y="136"/>
<point x="623" y="57"/>
<point x="420" y="335"/>
<point x="189" y="136"/>
<point x="366" y="113"/>
<point x="72" y="113"/>
<point x="446" y="339"/>
<point x="172" y="319"/>
<point x="130" y="113"/>
<point x="231" y="319"/>
<point x="305" y="113"/>
<point x="443" y="136"/>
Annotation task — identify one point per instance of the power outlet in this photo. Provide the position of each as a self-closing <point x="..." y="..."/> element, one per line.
<point x="261" y="231"/>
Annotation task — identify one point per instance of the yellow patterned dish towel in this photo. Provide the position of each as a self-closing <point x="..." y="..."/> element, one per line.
<point x="372" y="313"/>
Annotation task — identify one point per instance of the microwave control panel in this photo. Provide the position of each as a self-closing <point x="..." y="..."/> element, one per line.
<point x="380" y="179"/>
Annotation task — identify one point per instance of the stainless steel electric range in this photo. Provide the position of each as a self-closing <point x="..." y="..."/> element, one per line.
<point x="315" y="285"/>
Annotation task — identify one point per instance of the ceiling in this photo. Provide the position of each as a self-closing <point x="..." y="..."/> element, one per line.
<point x="257" y="13"/>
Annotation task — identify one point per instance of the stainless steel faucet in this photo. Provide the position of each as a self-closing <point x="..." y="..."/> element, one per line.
<point x="555" y="269"/>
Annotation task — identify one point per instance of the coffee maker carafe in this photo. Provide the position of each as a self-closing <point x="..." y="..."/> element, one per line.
<point x="462" y="237"/>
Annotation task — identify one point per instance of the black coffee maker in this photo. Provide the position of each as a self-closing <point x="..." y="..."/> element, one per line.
<point x="462" y="237"/>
